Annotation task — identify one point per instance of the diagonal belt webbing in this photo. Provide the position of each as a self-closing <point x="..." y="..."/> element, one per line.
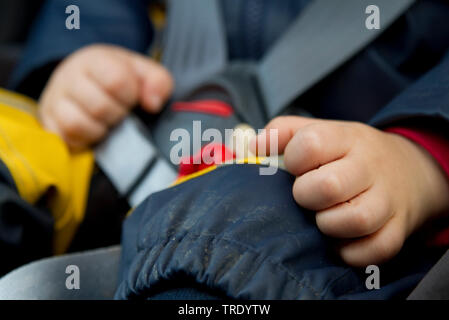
<point x="194" y="43"/>
<point x="325" y="35"/>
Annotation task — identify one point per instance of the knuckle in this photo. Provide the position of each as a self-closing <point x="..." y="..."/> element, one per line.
<point x="276" y="122"/>
<point x="101" y="111"/>
<point x="330" y="187"/>
<point x="116" y="79"/>
<point x="358" y="130"/>
<point x="70" y="127"/>
<point x="310" y="142"/>
<point x="363" y="222"/>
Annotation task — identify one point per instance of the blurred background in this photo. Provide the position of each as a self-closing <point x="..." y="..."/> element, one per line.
<point x="16" y="17"/>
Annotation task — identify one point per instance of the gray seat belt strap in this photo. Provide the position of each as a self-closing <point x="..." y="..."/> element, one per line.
<point x="194" y="42"/>
<point x="194" y="48"/>
<point x="435" y="284"/>
<point x="325" y="35"/>
<point x="131" y="162"/>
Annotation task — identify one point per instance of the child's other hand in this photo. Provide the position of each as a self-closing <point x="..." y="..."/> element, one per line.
<point x="369" y="188"/>
<point x="94" y="88"/>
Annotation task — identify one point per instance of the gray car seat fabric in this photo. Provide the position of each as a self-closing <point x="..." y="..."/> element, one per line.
<point x="433" y="286"/>
<point x="46" y="279"/>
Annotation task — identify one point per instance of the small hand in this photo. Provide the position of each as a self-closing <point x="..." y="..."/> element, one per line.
<point x="94" y="89"/>
<point x="370" y="188"/>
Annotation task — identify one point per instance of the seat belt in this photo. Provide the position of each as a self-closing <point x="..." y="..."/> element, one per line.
<point x="435" y="284"/>
<point x="324" y="36"/>
<point x="194" y="46"/>
<point x="132" y="163"/>
<point x="194" y="49"/>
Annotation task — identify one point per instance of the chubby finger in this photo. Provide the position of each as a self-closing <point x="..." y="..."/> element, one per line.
<point x="315" y="145"/>
<point x="286" y="127"/>
<point x="156" y="82"/>
<point x="361" y="216"/>
<point x="96" y="102"/>
<point x="376" y="248"/>
<point x="331" y="184"/>
<point x="75" y="126"/>
<point x="116" y="76"/>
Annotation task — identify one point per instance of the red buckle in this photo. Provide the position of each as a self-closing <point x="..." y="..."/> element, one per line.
<point x="212" y="153"/>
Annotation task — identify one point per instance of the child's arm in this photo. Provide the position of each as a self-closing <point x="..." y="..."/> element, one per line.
<point x="370" y="188"/>
<point x="94" y="88"/>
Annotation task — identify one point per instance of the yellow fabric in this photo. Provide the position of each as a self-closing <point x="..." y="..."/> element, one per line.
<point x="193" y="175"/>
<point x="250" y="160"/>
<point x="41" y="165"/>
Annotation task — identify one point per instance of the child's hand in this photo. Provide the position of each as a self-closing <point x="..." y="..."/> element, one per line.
<point x="368" y="187"/>
<point x="94" y="88"/>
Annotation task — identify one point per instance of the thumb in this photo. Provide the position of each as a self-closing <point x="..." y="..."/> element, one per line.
<point x="156" y="83"/>
<point x="286" y="127"/>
